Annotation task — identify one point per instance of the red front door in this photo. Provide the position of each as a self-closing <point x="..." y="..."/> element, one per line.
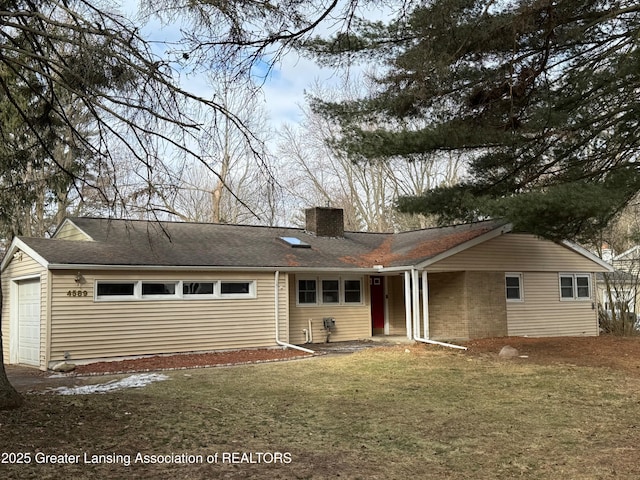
<point x="377" y="305"/>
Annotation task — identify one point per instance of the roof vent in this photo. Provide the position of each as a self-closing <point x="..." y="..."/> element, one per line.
<point x="325" y="222"/>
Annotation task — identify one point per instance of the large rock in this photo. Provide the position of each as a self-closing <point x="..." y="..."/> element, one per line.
<point x="508" y="352"/>
<point x="63" y="367"/>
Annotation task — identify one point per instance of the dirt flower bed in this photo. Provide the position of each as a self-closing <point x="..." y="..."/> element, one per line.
<point x="620" y="353"/>
<point x="182" y="361"/>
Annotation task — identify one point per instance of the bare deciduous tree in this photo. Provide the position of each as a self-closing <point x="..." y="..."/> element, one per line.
<point x="235" y="185"/>
<point x="366" y="190"/>
<point x="59" y="57"/>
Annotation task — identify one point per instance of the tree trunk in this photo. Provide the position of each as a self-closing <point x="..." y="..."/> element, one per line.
<point x="9" y="397"/>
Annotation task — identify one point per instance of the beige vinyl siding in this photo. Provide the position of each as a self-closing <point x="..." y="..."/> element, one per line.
<point x="517" y="253"/>
<point x="352" y="321"/>
<point x="22" y="267"/>
<point x="68" y="231"/>
<point x="90" y="329"/>
<point x="543" y="314"/>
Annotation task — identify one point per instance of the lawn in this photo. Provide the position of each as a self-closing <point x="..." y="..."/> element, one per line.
<point x="381" y="413"/>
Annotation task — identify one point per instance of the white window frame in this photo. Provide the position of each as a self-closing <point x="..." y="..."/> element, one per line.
<point x="177" y="289"/>
<point x="178" y="295"/>
<point x="116" y="298"/>
<point x="197" y="296"/>
<point x="250" y="294"/>
<point x="341" y="279"/>
<point x="322" y="291"/>
<point x="317" y="291"/>
<point x="574" y="285"/>
<point x="520" y="286"/>
<point x="343" y="282"/>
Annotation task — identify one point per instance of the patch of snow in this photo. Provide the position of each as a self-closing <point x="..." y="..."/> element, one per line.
<point x="133" y="381"/>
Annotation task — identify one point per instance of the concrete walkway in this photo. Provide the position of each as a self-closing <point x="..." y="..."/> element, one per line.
<point x="26" y="379"/>
<point x="358" y="345"/>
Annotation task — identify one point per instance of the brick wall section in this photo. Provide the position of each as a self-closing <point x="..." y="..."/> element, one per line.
<point x="325" y="222"/>
<point x="486" y="304"/>
<point x="447" y="306"/>
<point x="466" y="305"/>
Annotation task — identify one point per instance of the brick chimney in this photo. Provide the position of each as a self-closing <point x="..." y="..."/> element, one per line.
<point x="325" y="221"/>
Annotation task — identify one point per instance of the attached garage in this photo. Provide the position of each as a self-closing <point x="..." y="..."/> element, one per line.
<point x="28" y="322"/>
<point x="24" y="309"/>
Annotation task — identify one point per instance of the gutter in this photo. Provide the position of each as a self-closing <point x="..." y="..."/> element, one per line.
<point x="89" y="266"/>
<point x="277" y="315"/>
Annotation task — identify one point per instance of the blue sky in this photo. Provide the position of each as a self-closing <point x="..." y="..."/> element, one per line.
<point x="283" y="87"/>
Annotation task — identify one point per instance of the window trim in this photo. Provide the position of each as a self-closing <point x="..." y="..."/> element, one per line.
<point x="250" y="294"/>
<point x="318" y="279"/>
<point x="338" y="291"/>
<point x="520" y="286"/>
<point x="179" y="293"/>
<point x="115" y="298"/>
<point x="198" y="296"/>
<point x="344" y="284"/>
<point x="574" y="287"/>
<point x="177" y="285"/>
<point x="315" y="291"/>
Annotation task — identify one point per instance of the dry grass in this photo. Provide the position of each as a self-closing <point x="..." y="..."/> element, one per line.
<point x="381" y="413"/>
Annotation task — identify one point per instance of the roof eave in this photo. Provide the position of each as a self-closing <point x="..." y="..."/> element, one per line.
<point x="182" y="268"/>
<point x="625" y="253"/>
<point x="586" y="253"/>
<point x="19" y="245"/>
<point x="496" y="232"/>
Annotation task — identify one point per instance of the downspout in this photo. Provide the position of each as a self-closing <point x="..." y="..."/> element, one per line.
<point x="425" y="306"/>
<point x="277" y="316"/>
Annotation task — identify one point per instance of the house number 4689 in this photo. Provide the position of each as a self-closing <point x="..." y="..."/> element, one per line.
<point x="77" y="293"/>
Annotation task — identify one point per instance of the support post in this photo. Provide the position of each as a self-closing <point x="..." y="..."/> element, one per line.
<point x="407" y="302"/>
<point x="425" y="303"/>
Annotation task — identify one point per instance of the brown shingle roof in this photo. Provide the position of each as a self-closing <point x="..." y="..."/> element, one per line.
<point x="125" y="242"/>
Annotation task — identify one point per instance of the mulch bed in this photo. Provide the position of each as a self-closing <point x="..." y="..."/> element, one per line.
<point x="620" y="353"/>
<point x="193" y="360"/>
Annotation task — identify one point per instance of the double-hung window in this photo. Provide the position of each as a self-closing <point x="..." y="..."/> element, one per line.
<point x="575" y="286"/>
<point x="352" y="291"/>
<point x="513" y="286"/>
<point x="331" y="291"/>
<point x="307" y="292"/>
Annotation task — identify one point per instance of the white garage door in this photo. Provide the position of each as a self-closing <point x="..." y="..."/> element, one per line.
<point x="29" y="322"/>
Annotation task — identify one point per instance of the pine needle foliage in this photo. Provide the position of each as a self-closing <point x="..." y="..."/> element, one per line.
<point x="542" y="96"/>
